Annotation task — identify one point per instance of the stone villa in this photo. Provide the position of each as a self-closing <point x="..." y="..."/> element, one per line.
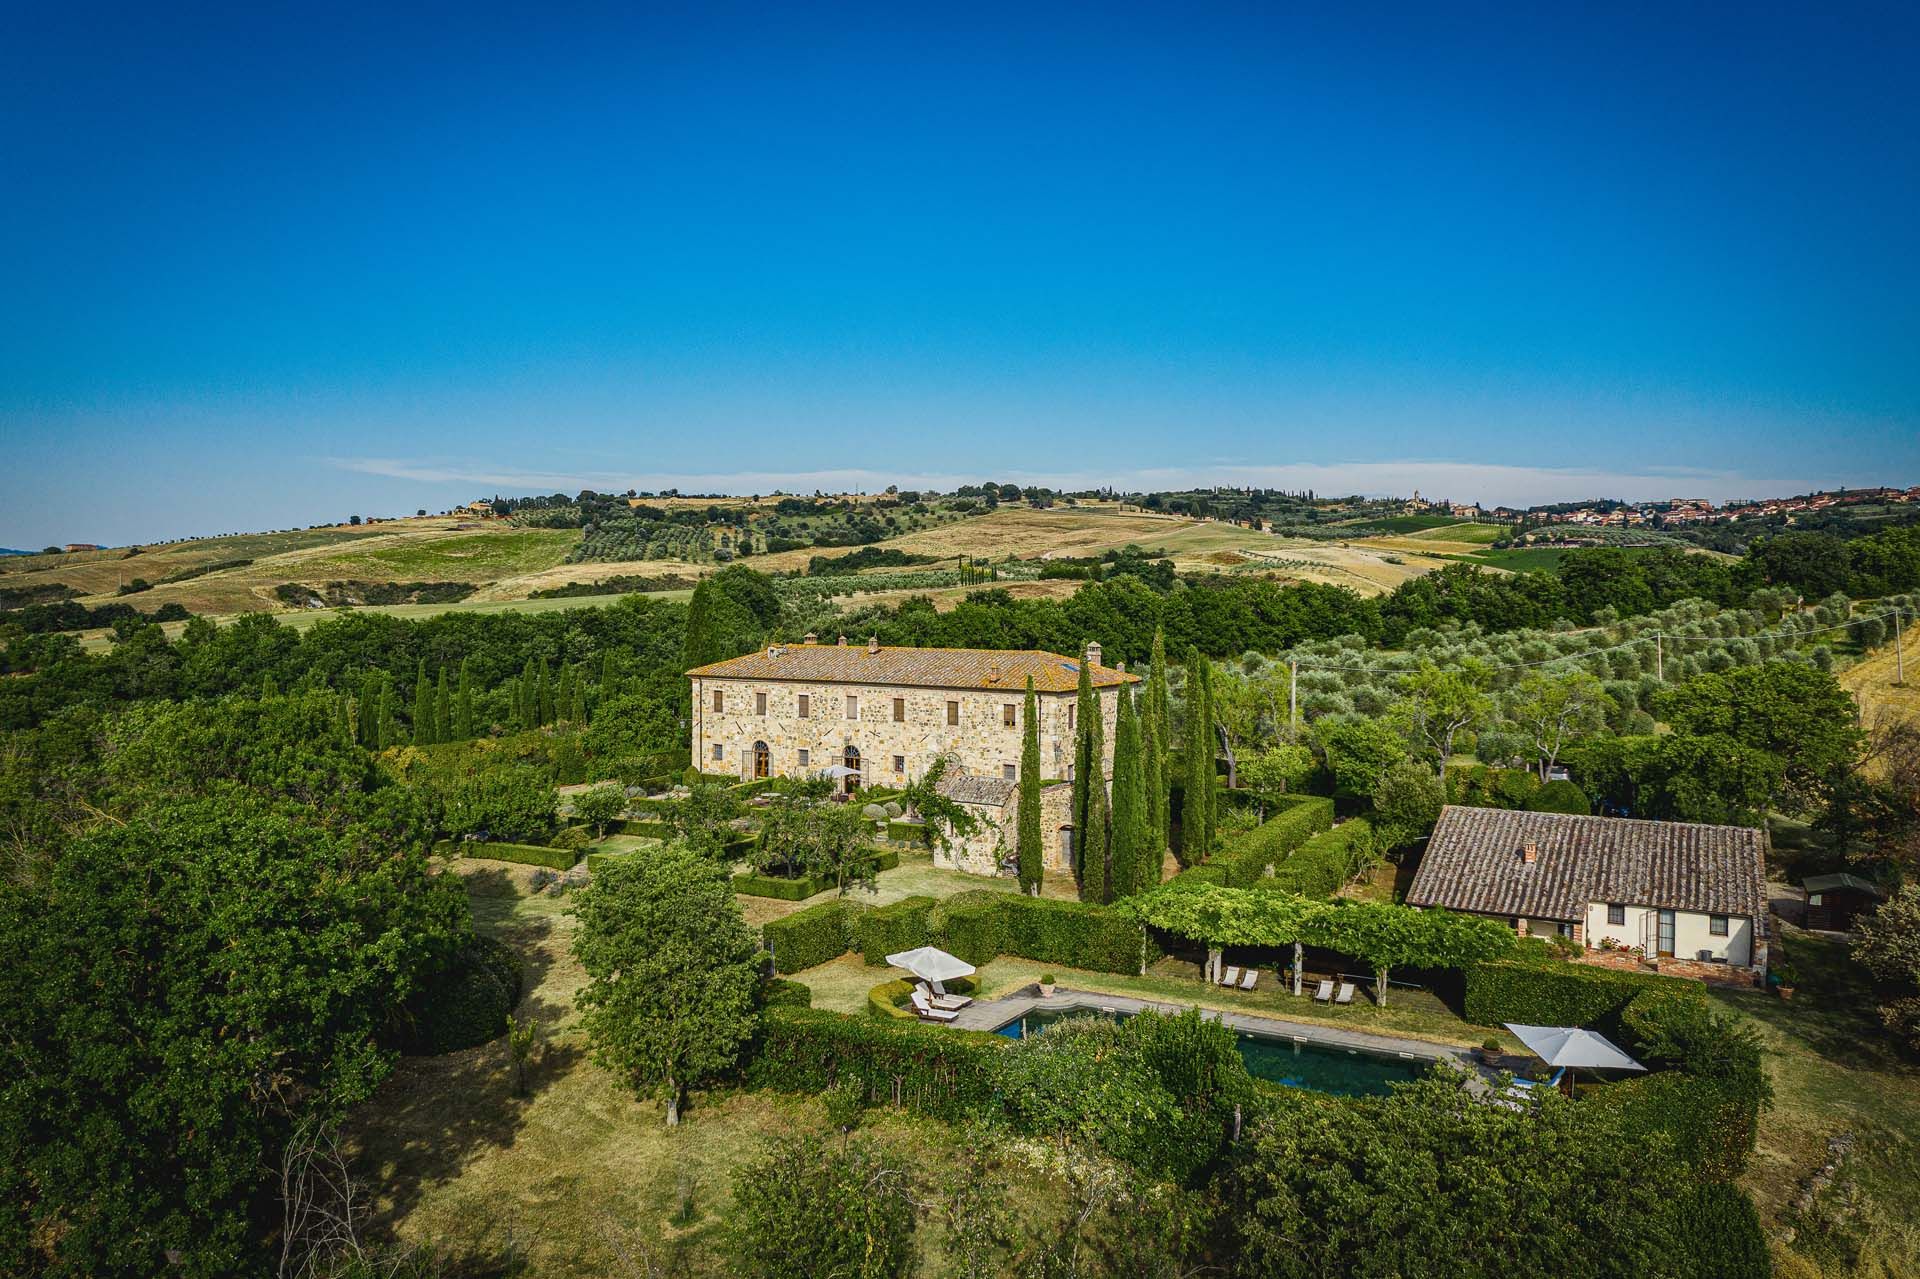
<point x="883" y="714"/>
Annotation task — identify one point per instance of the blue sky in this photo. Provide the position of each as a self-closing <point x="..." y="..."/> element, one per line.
<point x="266" y="269"/>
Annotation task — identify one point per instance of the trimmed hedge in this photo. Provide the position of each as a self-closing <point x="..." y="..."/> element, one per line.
<point x="1253" y="855"/>
<point x="906" y="832"/>
<point x="654" y="807"/>
<point x="969" y="925"/>
<point x="1318" y="867"/>
<point x="1074" y="935"/>
<point x="887" y="930"/>
<point x="1553" y="993"/>
<point x="524" y="854"/>
<point x="812" y="936"/>
<point x="778" y="992"/>
<point x="1213" y="872"/>
<point x="1723" y="1233"/>
<point x="645" y="827"/>
<point x="893" y="999"/>
<point x="467" y="1002"/>
<point x="933" y="1070"/>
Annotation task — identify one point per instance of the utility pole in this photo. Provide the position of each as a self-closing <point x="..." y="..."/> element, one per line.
<point x="1293" y="696"/>
<point x="1659" y="665"/>
<point x="1899" y="661"/>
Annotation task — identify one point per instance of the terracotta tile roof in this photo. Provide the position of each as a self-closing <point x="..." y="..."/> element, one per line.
<point x="970" y="668"/>
<point x="965" y="788"/>
<point x="1474" y="863"/>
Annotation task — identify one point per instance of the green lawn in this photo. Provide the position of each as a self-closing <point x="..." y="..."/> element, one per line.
<point x="1835" y="1072"/>
<point x="1481" y="533"/>
<point x="463" y="557"/>
<point x="1525" y="559"/>
<point x="581" y="1177"/>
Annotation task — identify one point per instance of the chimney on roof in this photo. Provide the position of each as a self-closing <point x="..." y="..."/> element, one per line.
<point x="810" y="638"/>
<point x="843" y="641"/>
<point x="1093" y="652"/>
<point x="873" y="644"/>
<point x="1529" y="852"/>
<point x="1121" y="667"/>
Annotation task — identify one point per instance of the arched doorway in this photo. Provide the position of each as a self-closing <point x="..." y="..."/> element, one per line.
<point x="851" y="758"/>
<point x="1067" y="861"/>
<point x="762" y="761"/>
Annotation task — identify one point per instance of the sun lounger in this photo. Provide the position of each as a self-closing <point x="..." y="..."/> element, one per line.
<point x="924" y="1006"/>
<point x="1530" y="1084"/>
<point x="1231" y="977"/>
<point x="939" y="998"/>
<point x="1323" y="993"/>
<point x="1247" y="979"/>
<point x="1346" y="993"/>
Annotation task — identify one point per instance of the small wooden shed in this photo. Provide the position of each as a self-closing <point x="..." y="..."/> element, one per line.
<point x="1835" y="901"/>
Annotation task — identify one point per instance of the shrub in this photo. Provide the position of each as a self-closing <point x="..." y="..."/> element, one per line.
<point x="1559" y="797"/>
<point x="467" y="1002"/>
<point x="932" y="1070"/>
<point x="1717" y="1123"/>
<point x="1724" y="1238"/>
<point x="969" y="925"/>
<point x="809" y="1207"/>
<point x="1248" y="858"/>
<point x="786" y="890"/>
<point x="524" y="854"/>
<point x="907" y="832"/>
<point x="890" y="929"/>
<point x="574" y="839"/>
<point x="1321" y="865"/>
<point x="808" y="938"/>
<point x="778" y="992"/>
<point x="644" y="828"/>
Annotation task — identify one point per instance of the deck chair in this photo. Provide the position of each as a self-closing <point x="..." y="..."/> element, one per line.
<point x="1248" y="978"/>
<point x="939" y="997"/>
<point x="1323" y="993"/>
<point x="1346" y="993"/>
<point x="1231" y="978"/>
<point x="924" y="1006"/>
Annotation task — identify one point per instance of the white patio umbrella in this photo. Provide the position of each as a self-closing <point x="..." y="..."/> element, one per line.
<point x="932" y="965"/>
<point x="1573" y="1048"/>
<point x="838" y="771"/>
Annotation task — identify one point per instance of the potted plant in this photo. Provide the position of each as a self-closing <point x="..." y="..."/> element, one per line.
<point x="1489" y="1050"/>
<point x="1784" y="976"/>
<point x="1046" y="985"/>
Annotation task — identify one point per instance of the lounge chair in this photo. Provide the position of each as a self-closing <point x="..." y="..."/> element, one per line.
<point x="1549" y="1084"/>
<point x="1346" y="993"/>
<point x="924" y="1006"/>
<point x="1248" y="978"/>
<point x="1323" y="993"/>
<point x="939" y="998"/>
<point x="1232" y="977"/>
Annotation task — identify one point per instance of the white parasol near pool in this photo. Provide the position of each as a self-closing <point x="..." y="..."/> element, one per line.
<point x="932" y="965"/>
<point x="1573" y="1048"/>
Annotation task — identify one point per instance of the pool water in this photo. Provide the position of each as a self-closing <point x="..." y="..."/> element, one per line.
<point x="1325" y="1068"/>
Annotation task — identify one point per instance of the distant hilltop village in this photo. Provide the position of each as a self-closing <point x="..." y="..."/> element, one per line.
<point x="1672" y="511"/>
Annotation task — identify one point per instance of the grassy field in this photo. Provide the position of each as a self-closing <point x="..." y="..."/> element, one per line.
<point x="581" y="1177"/>
<point x="1872" y="681"/>
<point x="1472" y="534"/>
<point x="1525" y="559"/>
<point x="1834" y="1073"/>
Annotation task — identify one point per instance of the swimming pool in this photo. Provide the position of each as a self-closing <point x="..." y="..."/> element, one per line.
<point x="1295" y="1063"/>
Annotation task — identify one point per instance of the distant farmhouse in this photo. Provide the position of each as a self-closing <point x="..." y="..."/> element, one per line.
<point x="881" y="715"/>
<point x="1680" y="891"/>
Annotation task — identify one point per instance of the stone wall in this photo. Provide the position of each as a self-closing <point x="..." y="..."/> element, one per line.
<point x="997" y="835"/>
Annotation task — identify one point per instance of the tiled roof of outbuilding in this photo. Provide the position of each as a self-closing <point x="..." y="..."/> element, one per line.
<point x="1474" y="863"/>
<point x="965" y="788"/>
<point x="974" y="668"/>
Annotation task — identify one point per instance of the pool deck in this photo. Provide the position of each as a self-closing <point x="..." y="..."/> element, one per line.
<point x="997" y="1013"/>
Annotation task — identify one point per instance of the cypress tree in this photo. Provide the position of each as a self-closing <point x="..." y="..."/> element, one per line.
<point x="526" y="702"/>
<point x="563" y="699"/>
<point x="422" y="706"/>
<point x="267" y="687"/>
<point x="1096" y="884"/>
<point x="384" y="728"/>
<point x="1156" y="719"/>
<point x="1196" y="810"/>
<point x="442" y="710"/>
<point x="463" y="727"/>
<point x="1027" y="825"/>
<point x="1129" y="844"/>
<point x="1086" y="710"/>
<point x="369" y="711"/>
<point x="543" y="688"/>
<point x="577" y="708"/>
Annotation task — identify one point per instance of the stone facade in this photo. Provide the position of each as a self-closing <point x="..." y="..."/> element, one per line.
<point x="895" y="730"/>
<point x="751" y="718"/>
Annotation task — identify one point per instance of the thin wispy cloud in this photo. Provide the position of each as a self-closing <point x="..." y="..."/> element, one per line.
<point x="1493" y="484"/>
